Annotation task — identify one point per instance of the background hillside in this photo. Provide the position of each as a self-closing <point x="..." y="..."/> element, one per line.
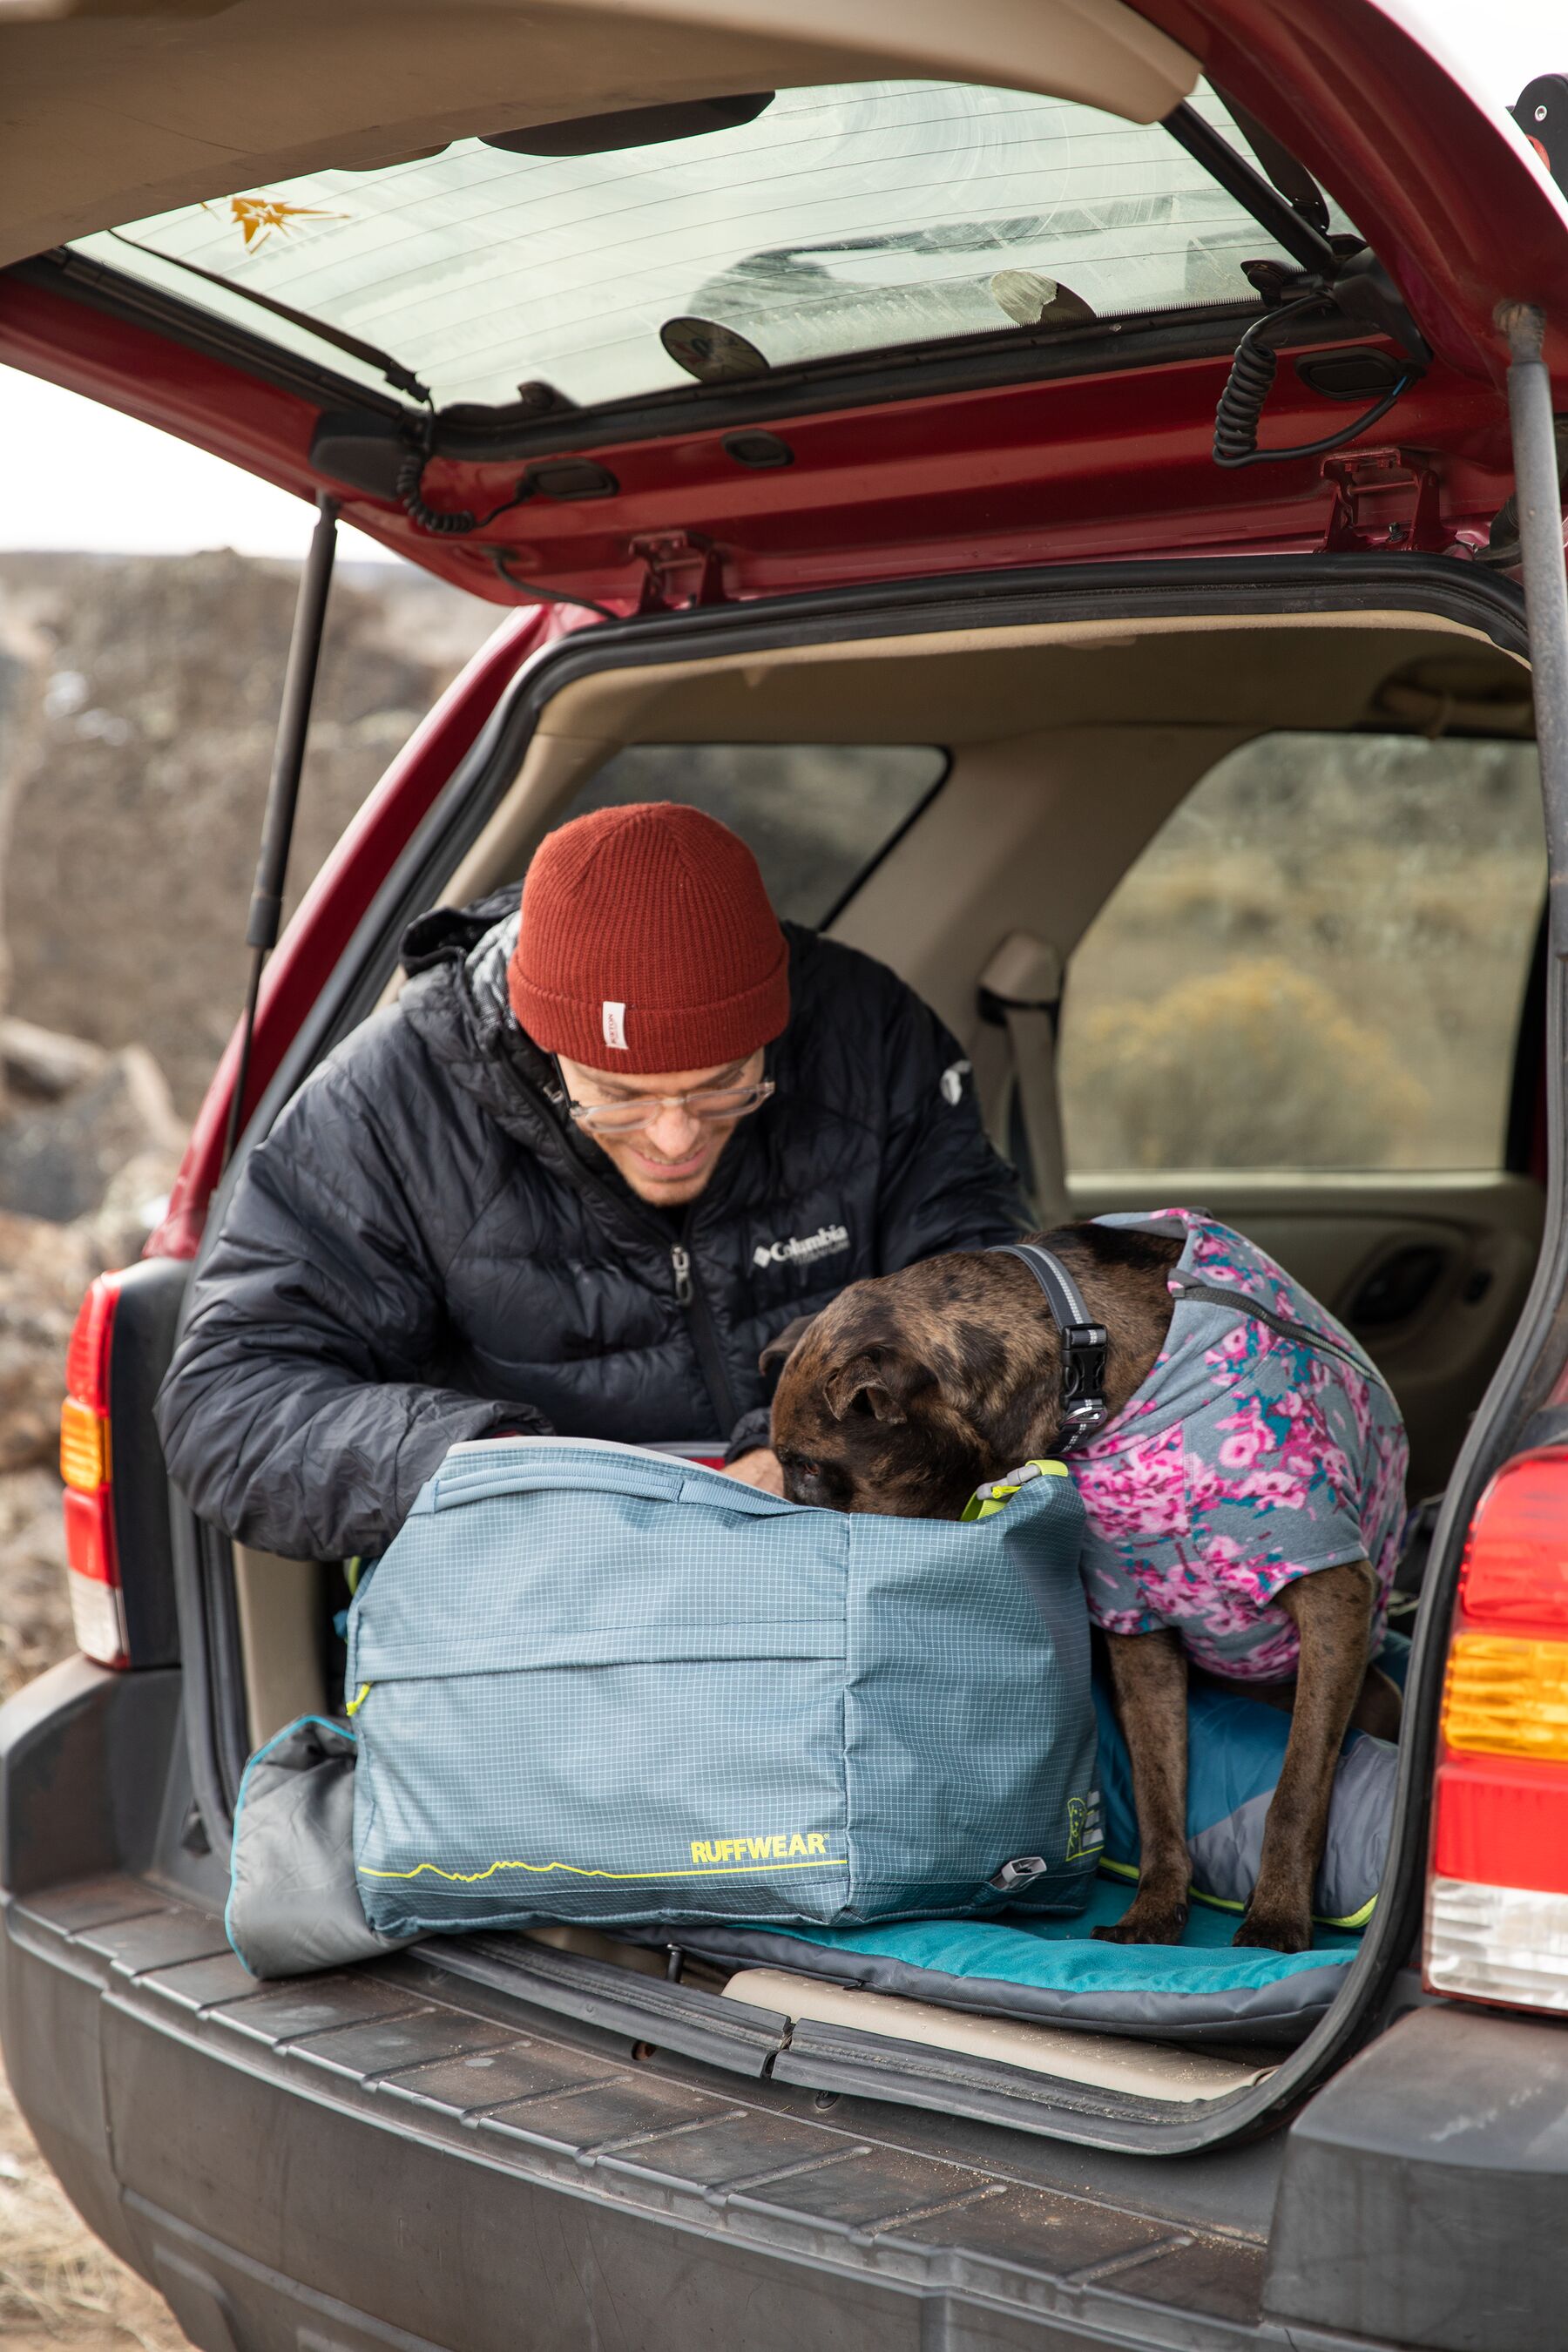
<point x="137" y="698"/>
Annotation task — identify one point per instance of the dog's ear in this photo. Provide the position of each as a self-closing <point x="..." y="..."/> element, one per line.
<point x="880" y="1382"/>
<point x="782" y="1345"/>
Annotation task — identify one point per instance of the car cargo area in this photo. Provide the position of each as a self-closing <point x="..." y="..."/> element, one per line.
<point x="936" y="792"/>
<point x="433" y="2090"/>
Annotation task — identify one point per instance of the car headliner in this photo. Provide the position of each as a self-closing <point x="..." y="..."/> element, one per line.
<point x="110" y="117"/>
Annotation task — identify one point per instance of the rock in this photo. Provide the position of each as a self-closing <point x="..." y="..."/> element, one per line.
<point x="35" y="1613"/>
<point x="42" y="1064"/>
<point x="139" y="754"/>
<point x="44" y="1270"/>
<point x="58" y="1159"/>
<point x="46" y="1266"/>
<point x="116" y="1233"/>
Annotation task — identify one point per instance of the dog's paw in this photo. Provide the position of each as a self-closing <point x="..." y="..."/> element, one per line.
<point x="1161" y="1924"/>
<point x="1275" y="1931"/>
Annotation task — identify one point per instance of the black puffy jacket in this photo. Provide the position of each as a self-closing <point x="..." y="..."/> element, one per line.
<point x="425" y="1249"/>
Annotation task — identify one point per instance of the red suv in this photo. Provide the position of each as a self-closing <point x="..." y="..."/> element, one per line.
<point x="974" y="452"/>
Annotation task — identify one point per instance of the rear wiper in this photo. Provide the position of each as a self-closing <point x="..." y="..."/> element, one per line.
<point x="401" y="379"/>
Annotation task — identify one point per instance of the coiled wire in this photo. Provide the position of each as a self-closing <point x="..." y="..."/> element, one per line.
<point x="1249" y="384"/>
<point x="455" y="523"/>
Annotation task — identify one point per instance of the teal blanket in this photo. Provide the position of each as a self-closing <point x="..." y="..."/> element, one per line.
<point x="1053" y="1971"/>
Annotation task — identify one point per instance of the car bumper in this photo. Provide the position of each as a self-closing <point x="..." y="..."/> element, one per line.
<point x="367" y="2160"/>
<point x="401" y="2156"/>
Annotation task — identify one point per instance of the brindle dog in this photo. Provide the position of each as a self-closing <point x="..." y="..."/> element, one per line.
<point x="912" y="1389"/>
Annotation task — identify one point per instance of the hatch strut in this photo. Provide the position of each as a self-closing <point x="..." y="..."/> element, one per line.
<point x="283" y="788"/>
<point x="1538" y="491"/>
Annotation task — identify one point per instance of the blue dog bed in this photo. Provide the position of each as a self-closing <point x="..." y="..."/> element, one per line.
<point x="1051" y="1971"/>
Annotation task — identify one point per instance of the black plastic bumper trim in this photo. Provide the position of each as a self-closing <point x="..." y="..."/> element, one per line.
<point x="741" y="2190"/>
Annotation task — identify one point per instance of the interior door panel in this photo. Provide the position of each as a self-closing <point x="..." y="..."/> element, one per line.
<point x="1428" y="1271"/>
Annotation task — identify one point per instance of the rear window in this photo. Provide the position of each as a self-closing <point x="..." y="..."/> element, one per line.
<point x="1320" y="961"/>
<point x="816" y="816"/>
<point x="840" y="220"/>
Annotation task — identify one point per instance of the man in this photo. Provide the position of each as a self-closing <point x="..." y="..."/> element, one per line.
<point x="588" y="1164"/>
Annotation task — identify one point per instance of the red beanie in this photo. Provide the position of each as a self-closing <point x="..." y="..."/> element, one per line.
<point x="647" y="944"/>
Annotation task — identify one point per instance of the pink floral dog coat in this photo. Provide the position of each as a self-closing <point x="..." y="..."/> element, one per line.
<point x="1248" y="1457"/>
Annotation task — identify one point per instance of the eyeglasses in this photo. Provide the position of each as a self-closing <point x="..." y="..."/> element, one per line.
<point x="712" y="1105"/>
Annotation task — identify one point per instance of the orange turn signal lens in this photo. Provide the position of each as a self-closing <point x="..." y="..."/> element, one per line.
<point x="84" y="1447"/>
<point x="1506" y="1697"/>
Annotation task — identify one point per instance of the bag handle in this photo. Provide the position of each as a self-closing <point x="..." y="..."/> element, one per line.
<point x="648" y="1481"/>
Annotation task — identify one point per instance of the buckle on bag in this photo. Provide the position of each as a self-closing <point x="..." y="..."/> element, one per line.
<point x="1018" y="1871"/>
<point x="996" y="1492"/>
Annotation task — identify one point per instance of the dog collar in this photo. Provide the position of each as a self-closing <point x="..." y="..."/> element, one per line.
<point x="1084" y="1343"/>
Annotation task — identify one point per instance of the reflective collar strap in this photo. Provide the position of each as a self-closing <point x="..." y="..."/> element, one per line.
<point x="1084" y="1343"/>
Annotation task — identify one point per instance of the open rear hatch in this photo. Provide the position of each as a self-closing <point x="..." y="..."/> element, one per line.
<point x="664" y="307"/>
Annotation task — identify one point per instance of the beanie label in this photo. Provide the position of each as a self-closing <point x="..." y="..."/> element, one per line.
<point x="615" y="1020"/>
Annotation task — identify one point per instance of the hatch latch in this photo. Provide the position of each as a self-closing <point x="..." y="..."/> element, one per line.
<point x="681" y="569"/>
<point x="1382" y="498"/>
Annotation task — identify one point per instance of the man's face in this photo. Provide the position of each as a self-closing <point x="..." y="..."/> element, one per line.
<point x="669" y="1159"/>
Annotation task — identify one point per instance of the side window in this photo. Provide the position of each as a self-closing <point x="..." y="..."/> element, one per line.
<point x="1318" y="962"/>
<point x="817" y="817"/>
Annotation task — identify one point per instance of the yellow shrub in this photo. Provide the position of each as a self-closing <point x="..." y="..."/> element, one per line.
<point x="1255" y="1067"/>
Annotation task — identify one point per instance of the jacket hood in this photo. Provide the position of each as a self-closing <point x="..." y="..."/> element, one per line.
<point x="456" y="999"/>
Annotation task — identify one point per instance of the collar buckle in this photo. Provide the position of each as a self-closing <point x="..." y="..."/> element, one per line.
<point x="1084" y="1409"/>
<point x="1084" y="1345"/>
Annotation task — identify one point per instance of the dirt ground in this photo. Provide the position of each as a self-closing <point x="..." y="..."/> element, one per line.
<point x="60" y="2290"/>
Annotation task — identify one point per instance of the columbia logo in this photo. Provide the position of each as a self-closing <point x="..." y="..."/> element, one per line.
<point x="802" y="1248"/>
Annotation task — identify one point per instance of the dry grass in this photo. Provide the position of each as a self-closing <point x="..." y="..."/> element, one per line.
<point x="60" y="2289"/>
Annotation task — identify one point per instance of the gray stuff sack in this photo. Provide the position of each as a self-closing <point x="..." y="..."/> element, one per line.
<point x="293" y="1904"/>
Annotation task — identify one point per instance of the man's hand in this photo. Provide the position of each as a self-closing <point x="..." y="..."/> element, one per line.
<point x="760" y="1468"/>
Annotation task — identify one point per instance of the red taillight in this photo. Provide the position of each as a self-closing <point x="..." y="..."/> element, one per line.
<point x="86" y="1357"/>
<point x="93" y="1563"/>
<point x="90" y="1536"/>
<point x="1497" y="1908"/>
<point x="1516" y="1560"/>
